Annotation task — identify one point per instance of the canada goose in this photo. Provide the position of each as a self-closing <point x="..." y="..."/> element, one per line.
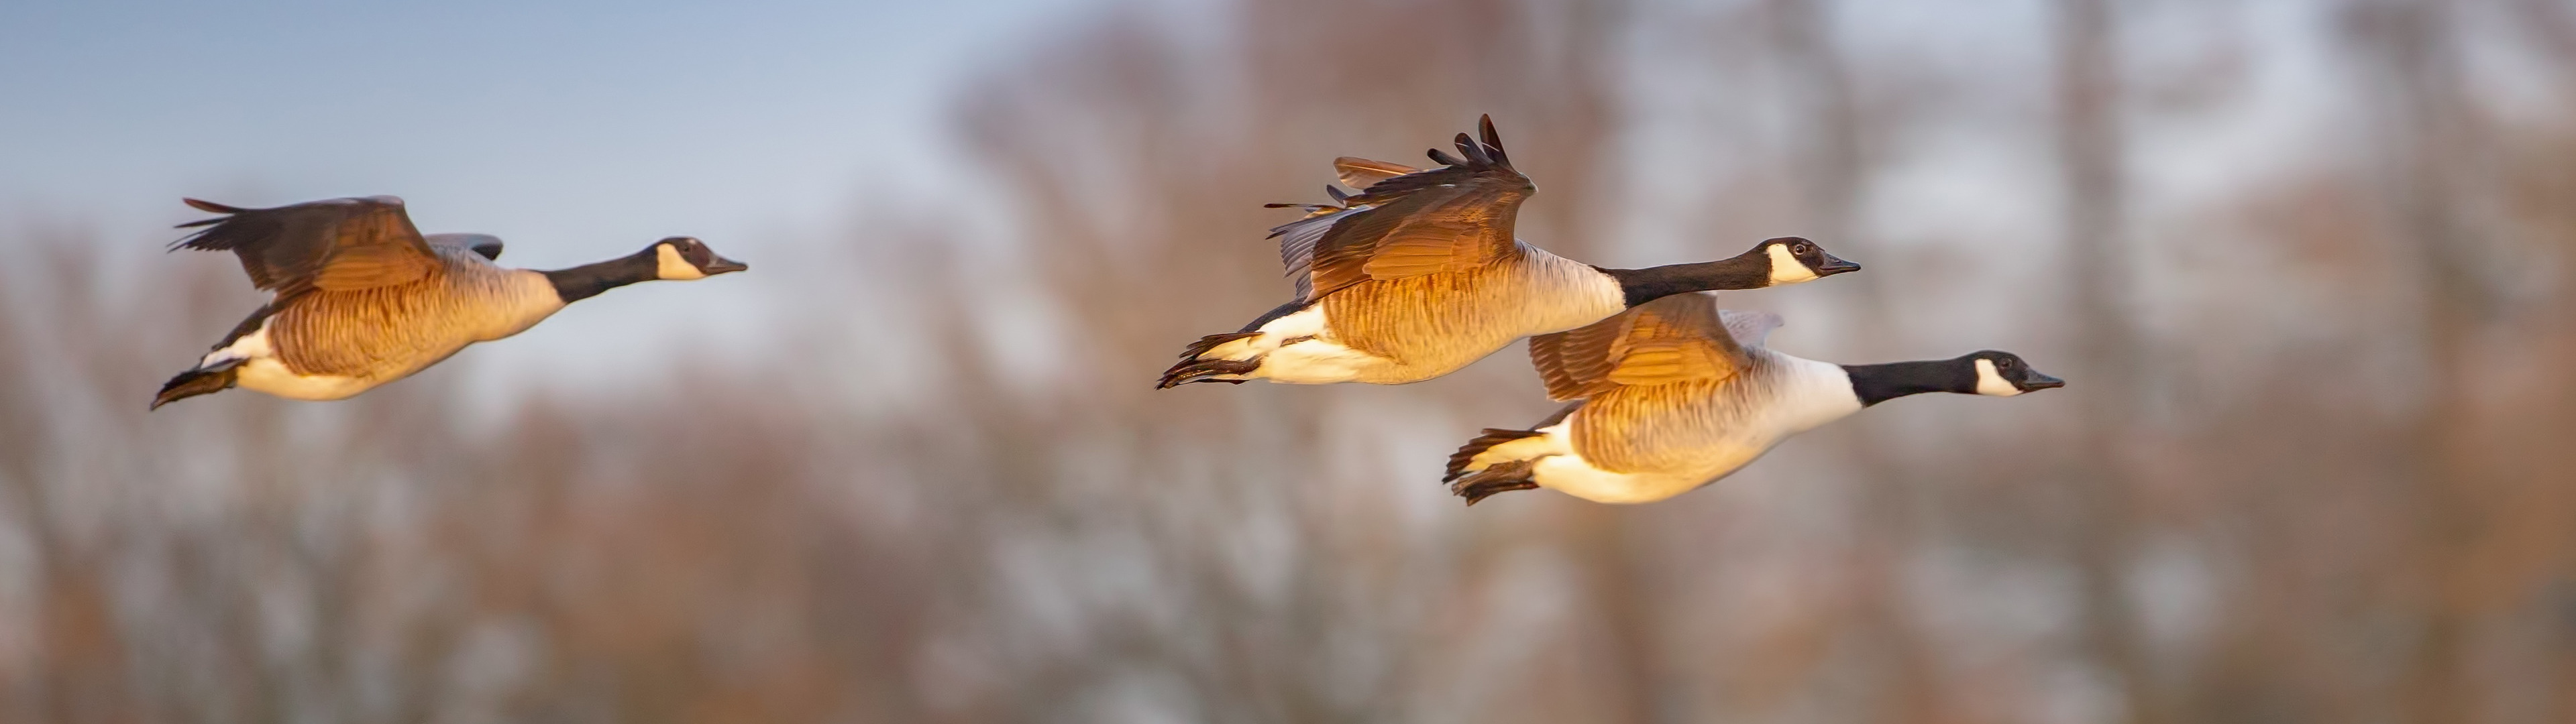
<point x="1419" y="274"/>
<point x="1676" y="394"/>
<point x="359" y="298"/>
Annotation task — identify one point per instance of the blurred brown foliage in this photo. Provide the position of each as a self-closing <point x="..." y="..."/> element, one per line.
<point x="2311" y="468"/>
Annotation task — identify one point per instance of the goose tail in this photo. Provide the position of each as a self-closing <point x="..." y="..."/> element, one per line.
<point x="1192" y="369"/>
<point x="1501" y="461"/>
<point x="1501" y="477"/>
<point x="1478" y="470"/>
<point x="1465" y="457"/>
<point x="199" y="381"/>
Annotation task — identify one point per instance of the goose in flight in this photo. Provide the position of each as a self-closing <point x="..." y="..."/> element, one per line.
<point x="1420" y="274"/>
<point x="1675" y="394"/>
<point x="359" y="298"/>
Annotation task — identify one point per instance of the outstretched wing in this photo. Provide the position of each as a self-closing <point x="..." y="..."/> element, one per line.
<point x="1451" y="218"/>
<point x="335" y="245"/>
<point x="1678" y="338"/>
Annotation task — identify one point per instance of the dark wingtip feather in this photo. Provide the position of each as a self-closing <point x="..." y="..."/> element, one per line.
<point x="211" y="207"/>
<point x="1493" y="140"/>
<point x="1443" y="158"/>
<point x="1476" y="153"/>
<point x="1336" y="193"/>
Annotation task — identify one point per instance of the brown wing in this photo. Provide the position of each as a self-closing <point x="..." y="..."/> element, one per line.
<point x="336" y="245"/>
<point x="1450" y="218"/>
<point x="1674" y="339"/>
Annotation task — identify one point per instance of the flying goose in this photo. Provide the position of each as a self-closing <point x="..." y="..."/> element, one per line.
<point x="359" y="298"/>
<point x="1676" y="394"/>
<point x="1419" y="274"/>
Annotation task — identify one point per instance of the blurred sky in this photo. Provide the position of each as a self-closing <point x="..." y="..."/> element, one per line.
<point x="580" y="131"/>
<point x="575" y="130"/>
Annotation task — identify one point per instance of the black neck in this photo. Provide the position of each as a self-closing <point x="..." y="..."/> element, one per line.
<point x="1880" y="383"/>
<point x="588" y="280"/>
<point x="1748" y="271"/>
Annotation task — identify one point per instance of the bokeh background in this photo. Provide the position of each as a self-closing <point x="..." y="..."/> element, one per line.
<point x="2307" y="264"/>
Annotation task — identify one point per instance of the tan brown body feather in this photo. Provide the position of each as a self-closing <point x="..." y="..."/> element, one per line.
<point x="1673" y="428"/>
<point x="1430" y="325"/>
<point x="388" y="332"/>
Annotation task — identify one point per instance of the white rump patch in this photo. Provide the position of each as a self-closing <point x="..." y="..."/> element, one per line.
<point x="250" y="346"/>
<point x="1785" y="267"/>
<point x="672" y="267"/>
<point x="1990" y="382"/>
<point x="1308" y="322"/>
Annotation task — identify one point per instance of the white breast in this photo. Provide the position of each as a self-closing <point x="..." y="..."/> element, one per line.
<point x="509" y="301"/>
<point x="1581" y="294"/>
<point x="1805" y="394"/>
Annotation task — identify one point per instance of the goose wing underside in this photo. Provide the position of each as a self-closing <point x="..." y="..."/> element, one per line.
<point x="1361" y="173"/>
<point x="1410" y="222"/>
<point x="483" y="245"/>
<point x="1679" y="338"/>
<point x="335" y="245"/>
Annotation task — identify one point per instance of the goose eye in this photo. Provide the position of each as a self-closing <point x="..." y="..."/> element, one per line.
<point x="1803" y="248"/>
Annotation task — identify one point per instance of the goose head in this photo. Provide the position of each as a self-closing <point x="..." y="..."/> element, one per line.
<point x="2004" y="374"/>
<point x="682" y="258"/>
<point x="1794" y="259"/>
<point x="2000" y="374"/>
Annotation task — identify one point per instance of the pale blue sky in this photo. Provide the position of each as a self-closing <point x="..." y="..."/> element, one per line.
<point x="577" y="131"/>
<point x="625" y="118"/>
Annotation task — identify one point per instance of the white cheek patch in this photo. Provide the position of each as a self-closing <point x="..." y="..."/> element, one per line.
<point x="1786" y="269"/>
<point x="671" y="266"/>
<point x="1990" y="382"/>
